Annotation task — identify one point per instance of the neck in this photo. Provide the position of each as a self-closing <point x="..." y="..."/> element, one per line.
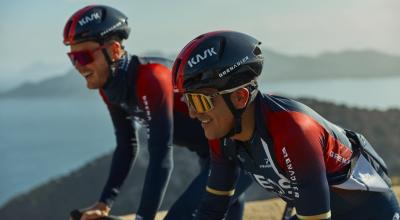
<point x="248" y="124"/>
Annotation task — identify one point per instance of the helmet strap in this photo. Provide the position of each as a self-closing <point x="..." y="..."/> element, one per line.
<point x="237" y="114"/>
<point x="111" y="64"/>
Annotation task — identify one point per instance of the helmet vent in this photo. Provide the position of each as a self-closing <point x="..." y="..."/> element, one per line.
<point x="257" y="51"/>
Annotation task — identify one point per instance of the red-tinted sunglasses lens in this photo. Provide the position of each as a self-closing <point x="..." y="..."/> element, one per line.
<point x="81" y="57"/>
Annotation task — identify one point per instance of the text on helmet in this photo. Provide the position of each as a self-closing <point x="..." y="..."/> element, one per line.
<point x="85" y="20"/>
<point x="233" y="67"/>
<point x="198" y="57"/>
<point x="111" y="28"/>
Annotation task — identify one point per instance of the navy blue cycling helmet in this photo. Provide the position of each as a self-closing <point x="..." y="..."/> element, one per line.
<point x="220" y="60"/>
<point x="96" y="23"/>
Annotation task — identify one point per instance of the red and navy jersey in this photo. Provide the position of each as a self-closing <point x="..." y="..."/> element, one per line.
<point x="140" y="93"/>
<point x="294" y="152"/>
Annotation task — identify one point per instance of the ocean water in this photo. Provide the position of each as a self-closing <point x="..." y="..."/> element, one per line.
<point x="370" y="93"/>
<point x="41" y="139"/>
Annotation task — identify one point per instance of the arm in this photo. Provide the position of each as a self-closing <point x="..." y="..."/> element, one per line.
<point x="156" y="96"/>
<point x="301" y="156"/>
<point x="124" y="154"/>
<point x="220" y="186"/>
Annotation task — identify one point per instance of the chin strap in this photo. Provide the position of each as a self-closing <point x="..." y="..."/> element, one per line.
<point x="111" y="64"/>
<point x="237" y="113"/>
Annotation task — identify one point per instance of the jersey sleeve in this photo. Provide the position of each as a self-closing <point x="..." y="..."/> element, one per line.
<point x="220" y="185"/>
<point x="155" y="95"/>
<point x="124" y="154"/>
<point x="299" y="144"/>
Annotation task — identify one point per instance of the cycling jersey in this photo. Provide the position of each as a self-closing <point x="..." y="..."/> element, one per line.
<point x="140" y="93"/>
<point x="303" y="158"/>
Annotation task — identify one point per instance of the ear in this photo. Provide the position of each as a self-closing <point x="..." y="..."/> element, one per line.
<point x="240" y="98"/>
<point x="116" y="50"/>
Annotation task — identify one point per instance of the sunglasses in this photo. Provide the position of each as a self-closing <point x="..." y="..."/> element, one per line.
<point x="83" y="57"/>
<point x="202" y="103"/>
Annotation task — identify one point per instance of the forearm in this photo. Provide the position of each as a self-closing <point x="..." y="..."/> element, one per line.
<point x="122" y="161"/>
<point x="214" y="207"/>
<point x="219" y="191"/>
<point x="124" y="155"/>
<point x="157" y="178"/>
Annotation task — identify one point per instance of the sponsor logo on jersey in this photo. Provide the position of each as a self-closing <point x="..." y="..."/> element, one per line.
<point x="200" y="57"/>
<point x="339" y="158"/>
<point x="267" y="183"/>
<point x="289" y="165"/>
<point x="291" y="172"/>
<point x="283" y="187"/>
<point x="146" y="107"/>
<point x="396" y="216"/>
<point x="87" y="19"/>
<point x="266" y="165"/>
<point x="282" y="183"/>
<point x="148" y="114"/>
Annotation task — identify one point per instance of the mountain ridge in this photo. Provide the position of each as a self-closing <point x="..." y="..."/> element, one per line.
<point x="277" y="67"/>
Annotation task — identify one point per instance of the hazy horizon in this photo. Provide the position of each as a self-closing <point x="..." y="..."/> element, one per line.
<point x="32" y="31"/>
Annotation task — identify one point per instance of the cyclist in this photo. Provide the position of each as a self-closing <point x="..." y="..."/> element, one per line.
<point x="138" y="91"/>
<point x="323" y="170"/>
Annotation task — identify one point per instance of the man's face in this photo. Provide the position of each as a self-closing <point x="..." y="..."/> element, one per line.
<point x="217" y="122"/>
<point x="96" y="72"/>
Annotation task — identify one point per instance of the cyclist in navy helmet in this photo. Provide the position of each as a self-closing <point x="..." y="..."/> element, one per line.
<point x="322" y="170"/>
<point x="138" y="92"/>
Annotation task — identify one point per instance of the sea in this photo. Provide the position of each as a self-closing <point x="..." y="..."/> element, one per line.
<point x="45" y="138"/>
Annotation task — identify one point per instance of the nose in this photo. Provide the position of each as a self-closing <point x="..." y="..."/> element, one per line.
<point x="79" y="67"/>
<point x="192" y="112"/>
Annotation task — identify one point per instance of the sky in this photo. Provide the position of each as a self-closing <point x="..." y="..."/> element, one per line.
<point x="31" y="31"/>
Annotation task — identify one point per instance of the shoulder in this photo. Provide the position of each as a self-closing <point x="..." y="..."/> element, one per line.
<point x="286" y="115"/>
<point x="154" y="79"/>
<point x="156" y="60"/>
<point x="154" y="69"/>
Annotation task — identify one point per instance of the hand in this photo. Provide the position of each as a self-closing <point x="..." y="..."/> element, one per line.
<point x="97" y="210"/>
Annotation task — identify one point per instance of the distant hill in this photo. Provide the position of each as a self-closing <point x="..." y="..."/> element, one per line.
<point x="67" y="85"/>
<point x="80" y="188"/>
<point x="346" y="64"/>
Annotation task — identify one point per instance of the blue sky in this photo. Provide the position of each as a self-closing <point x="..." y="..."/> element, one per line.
<point x="31" y="31"/>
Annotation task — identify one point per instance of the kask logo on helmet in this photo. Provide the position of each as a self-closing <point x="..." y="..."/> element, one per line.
<point x="198" y="57"/>
<point x="87" y="19"/>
